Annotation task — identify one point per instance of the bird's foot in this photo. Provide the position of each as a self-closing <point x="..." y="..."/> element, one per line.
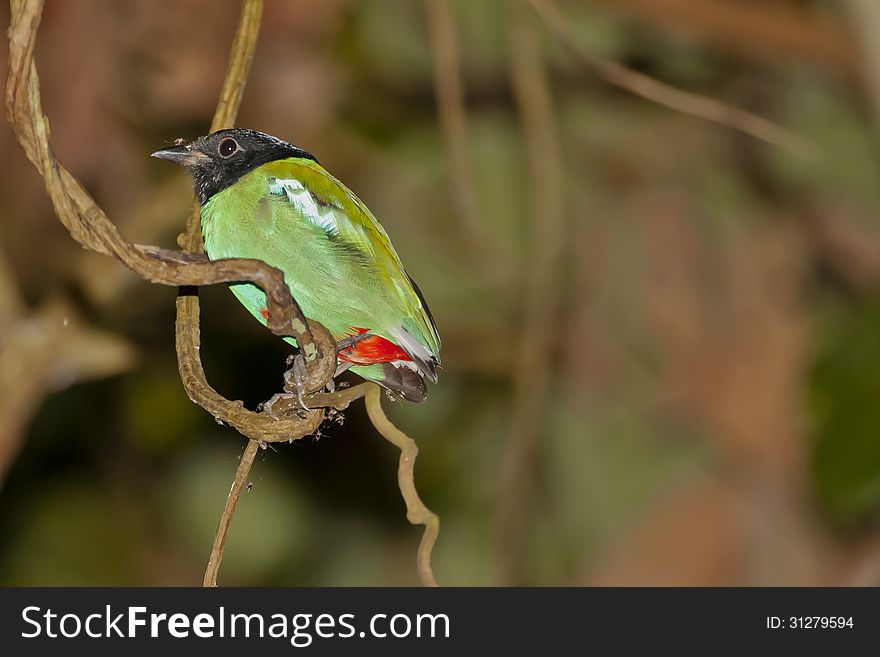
<point x="352" y="340"/>
<point x="343" y="366"/>
<point x="294" y="386"/>
<point x="286" y="401"/>
<point x="296" y="381"/>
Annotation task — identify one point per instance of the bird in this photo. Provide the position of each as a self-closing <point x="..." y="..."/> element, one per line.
<point x="262" y="197"/>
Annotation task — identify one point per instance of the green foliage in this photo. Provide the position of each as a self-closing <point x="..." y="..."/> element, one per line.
<point x="604" y="465"/>
<point x="844" y="395"/>
<point x="148" y="391"/>
<point x="69" y="536"/>
<point x="848" y="163"/>
<point x="272" y="523"/>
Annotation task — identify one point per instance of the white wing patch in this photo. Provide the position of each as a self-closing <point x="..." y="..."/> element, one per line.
<point x="317" y="212"/>
<point x="419" y="352"/>
<point x="407" y="364"/>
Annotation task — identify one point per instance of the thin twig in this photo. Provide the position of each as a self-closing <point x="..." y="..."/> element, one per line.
<point x="340" y="399"/>
<point x="241" y="476"/>
<point x="416" y="511"/>
<point x="664" y="94"/>
<point x="541" y="289"/>
<point x="865" y="21"/>
<point x="781" y="30"/>
<point x="449" y="90"/>
<point x="241" y="57"/>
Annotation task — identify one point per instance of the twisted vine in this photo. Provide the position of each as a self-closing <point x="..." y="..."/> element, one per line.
<point x="189" y="268"/>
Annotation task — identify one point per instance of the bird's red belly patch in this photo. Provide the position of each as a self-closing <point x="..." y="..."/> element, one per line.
<point x="371" y="350"/>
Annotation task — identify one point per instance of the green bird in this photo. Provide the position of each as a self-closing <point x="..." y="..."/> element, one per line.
<point x="264" y="198"/>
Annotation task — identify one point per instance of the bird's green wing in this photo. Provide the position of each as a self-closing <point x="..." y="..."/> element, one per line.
<point x="322" y="199"/>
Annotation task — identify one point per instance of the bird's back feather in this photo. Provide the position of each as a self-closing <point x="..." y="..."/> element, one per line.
<point x="336" y="257"/>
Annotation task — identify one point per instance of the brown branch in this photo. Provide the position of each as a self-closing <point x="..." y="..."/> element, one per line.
<point x="672" y="97"/>
<point x="416" y="511"/>
<point x="195" y="382"/>
<point x="241" y="475"/>
<point x="90" y="226"/>
<point x="87" y="222"/>
<point x="187" y="331"/>
<point x="541" y="294"/>
<point x="152" y="213"/>
<point x="93" y="229"/>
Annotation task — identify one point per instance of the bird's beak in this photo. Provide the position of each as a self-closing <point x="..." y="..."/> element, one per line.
<point x="179" y="154"/>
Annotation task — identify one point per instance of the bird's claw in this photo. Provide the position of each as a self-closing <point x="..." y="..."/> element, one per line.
<point x="294" y="384"/>
<point x="352" y="340"/>
<point x="295" y="378"/>
<point x="340" y="368"/>
<point x="268" y="406"/>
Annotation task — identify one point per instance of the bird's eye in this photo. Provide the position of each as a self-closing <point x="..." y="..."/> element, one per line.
<point x="227" y="147"/>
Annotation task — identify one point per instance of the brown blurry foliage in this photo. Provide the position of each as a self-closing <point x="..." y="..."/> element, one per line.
<point x="669" y="96"/>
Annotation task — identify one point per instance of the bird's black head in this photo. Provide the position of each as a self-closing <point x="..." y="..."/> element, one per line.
<point x="217" y="160"/>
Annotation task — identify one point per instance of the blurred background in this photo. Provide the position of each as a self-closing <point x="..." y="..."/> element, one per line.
<point x="661" y="337"/>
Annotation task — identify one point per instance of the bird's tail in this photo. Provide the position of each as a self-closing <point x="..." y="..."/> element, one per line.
<point x="402" y="382"/>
